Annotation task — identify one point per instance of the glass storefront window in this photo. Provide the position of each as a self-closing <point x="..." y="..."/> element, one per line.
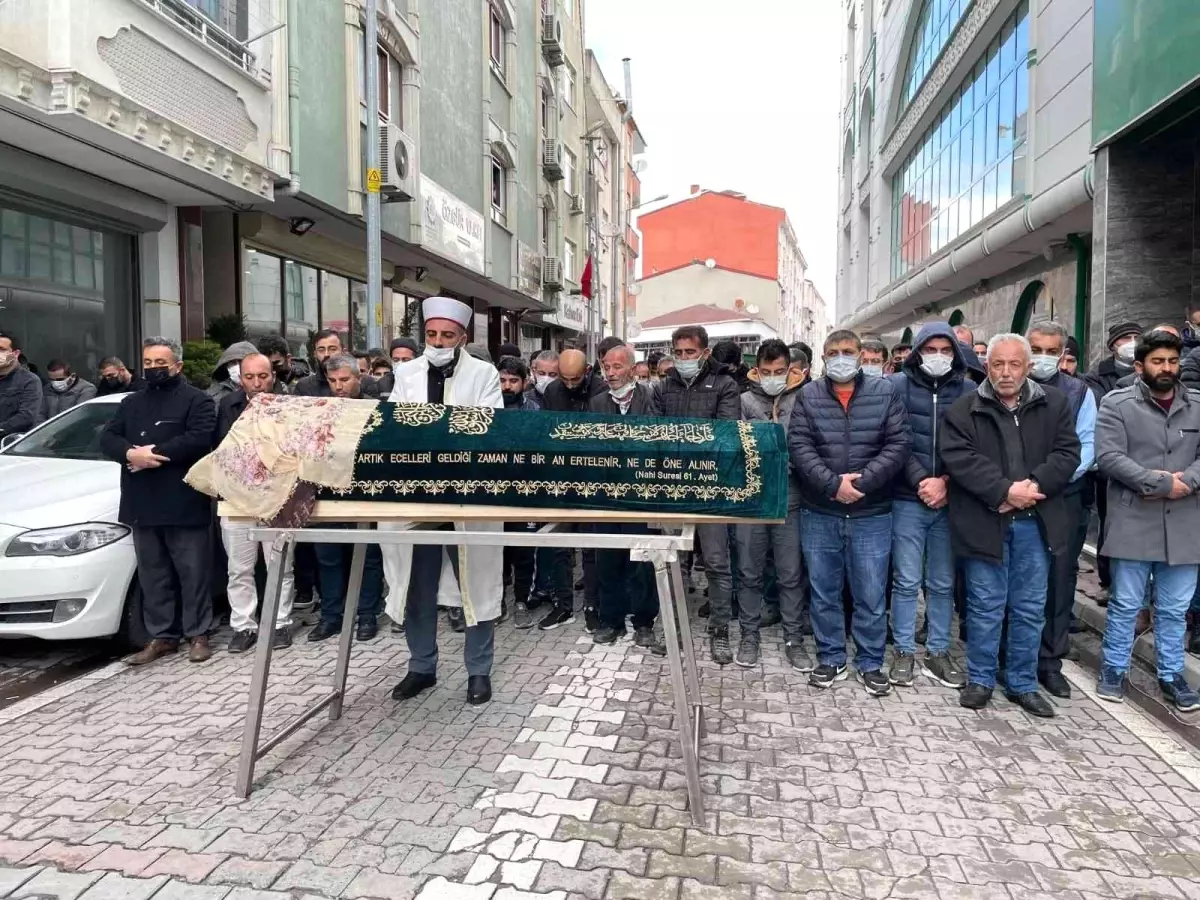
<point x="971" y="160"/>
<point x="300" y="305"/>
<point x="66" y="291"/>
<point x="335" y="303"/>
<point x="362" y="319"/>
<point x="261" y="295"/>
<point x="935" y="23"/>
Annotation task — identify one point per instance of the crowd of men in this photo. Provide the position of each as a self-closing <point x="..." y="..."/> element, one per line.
<point x="959" y="470"/>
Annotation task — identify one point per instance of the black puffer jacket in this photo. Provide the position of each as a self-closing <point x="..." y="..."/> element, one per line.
<point x="560" y="398"/>
<point x="711" y="395"/>
<point x="1189" y="370"/>
<point x="317" y="385"/>
<point x="1105" y="378"/>
<point x="871" y="438"/>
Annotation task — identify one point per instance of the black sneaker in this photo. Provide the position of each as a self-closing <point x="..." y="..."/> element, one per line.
<point x="875" y="682"/>
<point x="456" y="619"/>
<point x="607" y="635"/>
<point x="824" y="676"/>
<point x="323" y="631"/>
<point x="555" y="618"/>
<point x="645" y="638"/>
<point x="747" y="655"/>
<point x="522" y="617"/>
<point x="397" y="628"/>
<point x="798" y="658"/>
<point x="242" y="641"/>
<point x="718" y="645"/>
<point x="1178" y="692"/>
<point x="281" y="639"/>
<point x="974" y="696"/>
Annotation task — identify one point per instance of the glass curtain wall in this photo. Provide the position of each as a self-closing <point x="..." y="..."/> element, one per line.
<point x="971" y="159"/>
<point x="935" y="23"/>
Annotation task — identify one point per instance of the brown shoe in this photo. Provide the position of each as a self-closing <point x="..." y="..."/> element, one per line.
<point x="152" y="651"/>
<point x="200" y="651"/>
<point x="1143" y="623"/>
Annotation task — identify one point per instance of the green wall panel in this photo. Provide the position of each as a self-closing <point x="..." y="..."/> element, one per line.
<point x="1146" y="50"/>
<point x="322" y="133"/>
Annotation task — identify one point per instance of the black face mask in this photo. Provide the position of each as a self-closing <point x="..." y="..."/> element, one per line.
<point x="112" y="382"/>
<point x="282" y="371"/>
<point x="511" y="400"/>
<point x="159" y="378"/>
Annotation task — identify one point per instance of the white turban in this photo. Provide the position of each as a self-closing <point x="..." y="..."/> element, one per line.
<point x="447" y="308"/>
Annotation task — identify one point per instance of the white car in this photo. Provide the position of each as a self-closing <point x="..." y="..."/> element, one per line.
<point x="67" y="567"/>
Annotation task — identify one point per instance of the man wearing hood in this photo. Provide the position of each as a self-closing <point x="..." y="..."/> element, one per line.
<point x="1011" y="450"/>
<point x="1122" y="344"/>
<point x="227" y="375"/>
<point x="931" y="379"/>
<point x="848" y="438"/>
<point x="697" y="389"/>
<point x="66" y="389"/>
<point x="1048" y="341"/>
<point x="772" y="395"/>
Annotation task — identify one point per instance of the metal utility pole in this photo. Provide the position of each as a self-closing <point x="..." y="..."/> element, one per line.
<point x="373" y="179"/>
<point x="619" y="316"/>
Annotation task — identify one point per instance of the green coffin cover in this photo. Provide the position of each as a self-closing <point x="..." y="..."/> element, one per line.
<point x="425" y="453"/>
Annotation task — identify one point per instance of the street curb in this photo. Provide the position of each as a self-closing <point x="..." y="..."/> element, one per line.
<point x="58" y="692"/>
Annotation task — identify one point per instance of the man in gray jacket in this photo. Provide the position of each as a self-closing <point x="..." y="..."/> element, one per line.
<point x="1148" y="447"/>
<point x="20" y="390"/>
<point x="67" y="389"/>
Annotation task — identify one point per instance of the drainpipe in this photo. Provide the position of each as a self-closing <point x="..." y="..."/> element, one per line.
<point x="1083" y="258"/>
<point x="293" y="86"/>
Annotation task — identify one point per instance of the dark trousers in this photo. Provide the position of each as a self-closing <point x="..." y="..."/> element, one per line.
<point x="1060" y="592"/>
<point x="626" y="587"/>
<point x="333" y="574"/>
<point x="519" y="563"/>
<point x="174" y="566"/>
<point x="553" y="575"/>
<point x="421" y="615"/>
<point x="1102" y="567"/>
<point x="304" y="568"/>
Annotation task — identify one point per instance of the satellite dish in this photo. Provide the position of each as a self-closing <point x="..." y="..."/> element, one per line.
<point x="633" y="330"/>
<point x="752" y="309"/>
<point x="710" y="263"/>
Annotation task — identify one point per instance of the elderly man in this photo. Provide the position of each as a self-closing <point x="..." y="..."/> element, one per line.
<point x="20" y="390"/>
<point x="417" y="575"/>
<point x="157" y="434"/>
<point x="1048" y="344"/>
<point x="1148" y="447"/>
<point x="1010" y="450"/>
<point x="333" y="560"/>
<point x="848" y="439"/>
<point x="625" y="587"/>
<point x="545" y="371"/>
<point x="67" y="389"/>
<point x="258" y="377"/>
<point x="115" y="378"/>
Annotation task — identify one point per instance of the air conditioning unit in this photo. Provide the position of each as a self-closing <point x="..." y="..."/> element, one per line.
<point x="552" y="273"/>
<point x="576" y="204"/>
<point x="397" y="155"/>
<point x="553" y="44"/>
<point x="552" y="155"/>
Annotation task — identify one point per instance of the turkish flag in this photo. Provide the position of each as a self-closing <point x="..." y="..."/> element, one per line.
<point x="585" y="281"/>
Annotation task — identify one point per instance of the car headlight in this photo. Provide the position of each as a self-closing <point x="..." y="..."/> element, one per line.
<point x="69" y="540"/>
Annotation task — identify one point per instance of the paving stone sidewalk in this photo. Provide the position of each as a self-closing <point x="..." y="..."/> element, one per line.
<point x="569" y="786"/>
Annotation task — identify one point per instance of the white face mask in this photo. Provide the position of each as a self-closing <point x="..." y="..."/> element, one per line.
<point x="541" y="382"/>
<point x="876" y="371"/>
<point x="7" y="357"/>
<point x="235" y="372"/>
<point x="439" y="356"/>
<point x="773" y="385"/>
<point x="1045" y="366"/>
<point x="688" y="368"/>
<point x="620" y="393"/>
<point x="935" y="365"/>
<point x="60" y="385"/>
<point x="1126" y="351"/>
<point x="842" y="368"/>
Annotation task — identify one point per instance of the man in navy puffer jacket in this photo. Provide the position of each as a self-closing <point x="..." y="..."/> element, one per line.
<point x="932" y="378"/>
<point x="848" y="438"/>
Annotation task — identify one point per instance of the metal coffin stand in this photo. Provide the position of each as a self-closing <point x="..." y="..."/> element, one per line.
<point x="662" y="550"/>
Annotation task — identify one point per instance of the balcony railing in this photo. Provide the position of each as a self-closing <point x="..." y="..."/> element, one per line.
<point x="203" y="28"/>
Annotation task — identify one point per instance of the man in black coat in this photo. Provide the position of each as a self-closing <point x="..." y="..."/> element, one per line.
<point x="157" y="434"/>
<point x="848" y="439"/>
<point x="1010" y="450"/>
<point x="698" y="388"/>
<point x="575" y="386"/>
<point x="327" y="343"/>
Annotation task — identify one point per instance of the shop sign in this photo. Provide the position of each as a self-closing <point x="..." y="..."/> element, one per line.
<point x="571" y="313"/>
<point x="529" y="271"/>
<point x="452" y="228"/>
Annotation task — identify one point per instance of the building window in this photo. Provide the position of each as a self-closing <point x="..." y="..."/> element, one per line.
<point x="391" y="87"/>
<point x="496" y="46"/>
<point x="499" y="192"/>
<point x="971" y="160"/>
<point x="569" y="260"/>
<point x="935" y="24"/>
<point x="568" y="172"/>
<point x="547" y="230"/>
<point x="567" y="84"/>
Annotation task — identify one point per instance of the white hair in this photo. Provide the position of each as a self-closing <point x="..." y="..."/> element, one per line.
<point x="170" y="343"/>
<point x="995" y="340"/>
<point x="1049" y="329"/>
<point x="341" y="361"/>
<point x="629" y="352"/>
<point x="546" y="356"/>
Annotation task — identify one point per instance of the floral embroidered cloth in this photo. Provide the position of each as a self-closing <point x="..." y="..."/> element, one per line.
<point x="279" y="442"/>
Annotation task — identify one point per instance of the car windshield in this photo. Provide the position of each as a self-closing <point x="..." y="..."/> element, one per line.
<point x="73" y="435"/>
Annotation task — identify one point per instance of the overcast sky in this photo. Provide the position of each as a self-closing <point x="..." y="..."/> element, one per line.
<point x="735" y="95"/>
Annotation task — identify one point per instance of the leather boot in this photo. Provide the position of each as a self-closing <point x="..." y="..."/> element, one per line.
<point x="200" y="651"/>
<point x="152" y="651"/>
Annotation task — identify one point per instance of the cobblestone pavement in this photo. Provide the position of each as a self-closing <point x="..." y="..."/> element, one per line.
<point x="569" y="786"/>
<point x="28" y="665"/>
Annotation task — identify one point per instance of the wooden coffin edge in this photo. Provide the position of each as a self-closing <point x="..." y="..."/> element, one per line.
<point x="366" y="511"/>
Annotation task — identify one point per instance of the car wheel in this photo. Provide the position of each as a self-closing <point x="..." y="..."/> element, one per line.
<point x="133" y="634"/>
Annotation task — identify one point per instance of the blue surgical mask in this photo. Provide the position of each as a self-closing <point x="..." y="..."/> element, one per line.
<point x="841" y="368"/>
<point x="1045" y="366"/>
<point x="773" y="385"/>
<point x="874" y="370"/>
<point x="688" y="368"/>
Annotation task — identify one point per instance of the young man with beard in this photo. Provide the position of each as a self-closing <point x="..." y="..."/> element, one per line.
<point x="1148" y="447"/>
<point x="930" y="380"/>
<point x="772" y="396"/>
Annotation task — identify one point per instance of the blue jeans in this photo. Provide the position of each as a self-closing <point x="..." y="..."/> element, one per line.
<point x="921" y="552"/>
<point x="1017" y="585"/>
<point x="837" y="549"/>
<point x="1175" y="587"/>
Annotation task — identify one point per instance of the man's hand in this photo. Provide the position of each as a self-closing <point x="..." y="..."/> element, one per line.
<point x="847" y="492"/>
<point x="1179" y="488"/>
<point x="144" y="458"/>
<point x="932" y="492"/>
<point x="1005" y="508"/>
<point x="1024" y="494"/>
